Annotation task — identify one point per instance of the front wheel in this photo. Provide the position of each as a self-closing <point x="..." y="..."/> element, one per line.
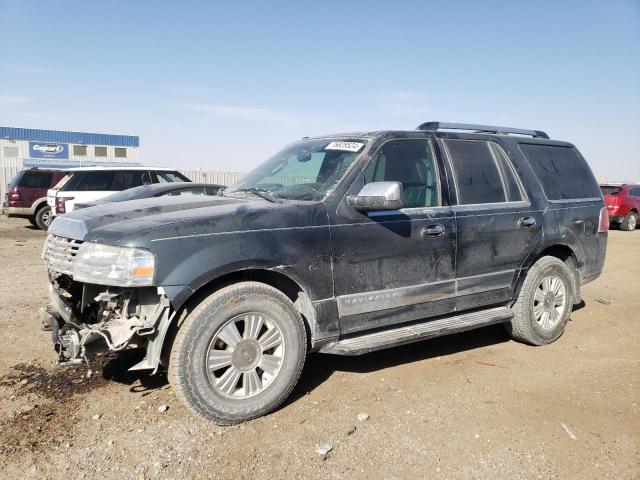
<point x="239" y="354"/>
<point x="544" y="304"/>
<point x="629" y="223"/>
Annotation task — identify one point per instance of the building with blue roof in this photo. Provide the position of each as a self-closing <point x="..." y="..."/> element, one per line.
<point x="63" y="149"/>
<point x="22" y="148"/>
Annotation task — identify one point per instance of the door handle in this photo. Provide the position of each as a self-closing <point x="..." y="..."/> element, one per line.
<point x="436" y="230"/>
<point x="527" y="222"/>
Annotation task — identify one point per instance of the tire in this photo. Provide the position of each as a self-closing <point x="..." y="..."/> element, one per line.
<point x="43" y="218"/>
<point x="630" y="222"/>
<point x="206" y="338"/>
<point x="32" y="221"/>
<point x="528" y="325"/>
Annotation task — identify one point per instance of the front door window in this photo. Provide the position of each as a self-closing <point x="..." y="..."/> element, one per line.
<point x="409" y="162"/>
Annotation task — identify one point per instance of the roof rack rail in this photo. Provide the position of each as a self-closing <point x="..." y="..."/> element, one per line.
<point x="435" y="126"/>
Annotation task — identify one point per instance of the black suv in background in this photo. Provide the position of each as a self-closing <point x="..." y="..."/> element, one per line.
<point x="342" y="244"/>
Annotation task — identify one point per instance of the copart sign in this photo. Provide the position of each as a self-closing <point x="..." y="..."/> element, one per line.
<point x="48" y="150"/>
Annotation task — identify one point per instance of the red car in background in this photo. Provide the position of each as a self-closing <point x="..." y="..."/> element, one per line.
<point x="27" y="195"/>
<point x="623" y="204"/>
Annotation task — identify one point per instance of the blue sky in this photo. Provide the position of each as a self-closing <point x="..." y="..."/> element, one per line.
<point x="222" y="85"/>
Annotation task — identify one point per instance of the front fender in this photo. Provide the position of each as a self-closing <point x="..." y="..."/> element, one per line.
<point x="302" y="254"/>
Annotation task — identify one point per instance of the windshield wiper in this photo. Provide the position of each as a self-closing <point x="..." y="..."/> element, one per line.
<point x="260" y="192"/>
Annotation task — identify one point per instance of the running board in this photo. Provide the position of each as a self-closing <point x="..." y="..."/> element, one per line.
<point x="391" y="337"/>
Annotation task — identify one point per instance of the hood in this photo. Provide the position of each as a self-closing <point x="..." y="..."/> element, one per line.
<point x="140" y="222"/>
<point x="132" y="215"/>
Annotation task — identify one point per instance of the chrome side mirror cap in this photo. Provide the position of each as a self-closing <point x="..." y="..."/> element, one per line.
<point x="377" y="196"/>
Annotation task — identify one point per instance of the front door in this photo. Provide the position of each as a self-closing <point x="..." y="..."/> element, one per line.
<point x="396" y="266"/>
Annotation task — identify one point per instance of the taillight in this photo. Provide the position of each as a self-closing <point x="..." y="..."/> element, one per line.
<point x="603" y="222"/>
<point x="16" y="196"/>
<point x="60" y="205"/>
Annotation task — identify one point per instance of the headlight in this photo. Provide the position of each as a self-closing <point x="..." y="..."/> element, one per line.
<point x="117" y="266"/>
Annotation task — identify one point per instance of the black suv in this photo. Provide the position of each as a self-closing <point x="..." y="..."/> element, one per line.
<point x="343" y="244"/>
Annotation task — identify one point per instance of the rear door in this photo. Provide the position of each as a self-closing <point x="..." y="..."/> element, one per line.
<point x="496" y="223"/>
<point x="85" y="187"/>
<point x="97" y="184"/>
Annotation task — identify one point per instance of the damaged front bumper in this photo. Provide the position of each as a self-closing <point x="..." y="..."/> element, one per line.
<point x="86" y="320"/>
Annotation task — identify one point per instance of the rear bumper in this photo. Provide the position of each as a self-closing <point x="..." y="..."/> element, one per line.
<point x="17" y="211"/>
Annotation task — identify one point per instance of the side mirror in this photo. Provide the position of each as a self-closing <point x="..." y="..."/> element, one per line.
<point x="377" y="196"/>
<point x="146" y="179"/>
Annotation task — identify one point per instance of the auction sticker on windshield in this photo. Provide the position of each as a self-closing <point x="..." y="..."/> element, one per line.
<point x="346" y="146"/>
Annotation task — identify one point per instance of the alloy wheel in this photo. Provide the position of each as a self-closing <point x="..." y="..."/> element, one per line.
<point x="47" y="217"/>
<point x="245" y="355"/>
<point x="549" y="301"/>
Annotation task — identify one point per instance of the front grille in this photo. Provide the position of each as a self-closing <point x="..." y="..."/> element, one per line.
<point x="59" y="253"/>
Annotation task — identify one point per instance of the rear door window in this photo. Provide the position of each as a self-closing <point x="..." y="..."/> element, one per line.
<point x="94" y="181"/>
<point x="562" y="172"/>
<point x="482" y="172"/>
<point x="127" y="179"/>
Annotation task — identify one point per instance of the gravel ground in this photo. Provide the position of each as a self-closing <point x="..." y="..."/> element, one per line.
<point x="472" y="405"/>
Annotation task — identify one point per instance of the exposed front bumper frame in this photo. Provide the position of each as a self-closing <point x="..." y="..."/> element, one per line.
<point x="76" y="342"/>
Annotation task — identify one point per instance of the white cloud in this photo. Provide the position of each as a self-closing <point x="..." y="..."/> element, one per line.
<point x="251" y="114"/>
<point x="29" y="69"/>
<point x="13" y="99"/>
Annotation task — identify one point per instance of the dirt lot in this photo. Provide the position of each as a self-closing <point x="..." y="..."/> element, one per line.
<point x="474" y="405"/>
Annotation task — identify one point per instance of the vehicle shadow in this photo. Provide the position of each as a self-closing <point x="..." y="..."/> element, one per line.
<point x="319" y="367"/>
<point x="116" y="369"/>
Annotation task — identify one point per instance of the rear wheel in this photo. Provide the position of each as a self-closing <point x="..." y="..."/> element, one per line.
<point x="630" y="222"/>
<point x="239" y="354"/>
<point x="544" y="304"/>
<point x="43" y="218"/>
<point x="32" y="221"/>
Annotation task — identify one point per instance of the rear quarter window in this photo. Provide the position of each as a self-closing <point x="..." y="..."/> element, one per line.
<point x="164" y="176"/>
<point x="16" y="180"/>
<point x="562" y="172"/>
<point x="36" y="180"/>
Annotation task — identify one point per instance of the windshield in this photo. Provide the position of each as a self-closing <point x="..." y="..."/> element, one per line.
<point x="608" y="190"/>
<point x="305" y="170"/>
